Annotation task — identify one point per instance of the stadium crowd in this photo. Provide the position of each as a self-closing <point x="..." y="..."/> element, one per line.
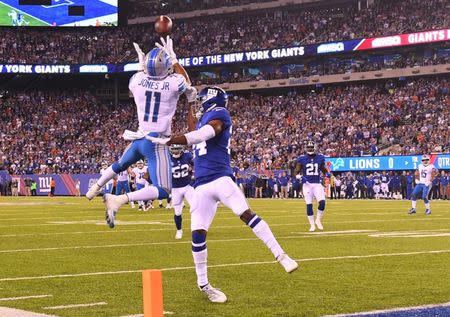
<point x="63" y="131"/>
<point x="139" y="8"/>
<point x="255" y="30"/>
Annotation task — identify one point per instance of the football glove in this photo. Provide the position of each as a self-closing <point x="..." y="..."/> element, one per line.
<point x="191" y="93"/>
<point x="141" y="57"/>
<point x="167" y="46"/>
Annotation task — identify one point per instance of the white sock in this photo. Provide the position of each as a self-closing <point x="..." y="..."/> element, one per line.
<point x="108" y="174"/>
<point x="414" y="203"/>
<point x="320" y="214"/>
<point x="146" y="193"/>
<point x="201" y="267"/>
<point x="427" y="205"/>
<point x="263" y="232"/>
<point x="311" y="220"/>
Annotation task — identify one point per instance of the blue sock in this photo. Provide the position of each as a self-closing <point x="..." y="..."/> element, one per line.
<point x="309" y="210"/>
<point x="178" y="221"/>
<point x="198" y="241"/>
<point x="253" y="221"/>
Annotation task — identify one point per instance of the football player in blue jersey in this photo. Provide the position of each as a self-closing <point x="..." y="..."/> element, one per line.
<point x="310" y="165"/>
<point x="181" y="183"/>
<point x="385" y="180"/>
<point x="210" y="136"/>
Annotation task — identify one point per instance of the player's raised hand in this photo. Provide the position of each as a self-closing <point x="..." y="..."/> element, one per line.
<point x="162" y="141"/>
<point x="167" y="46"/>
<point x="141" y="57"/>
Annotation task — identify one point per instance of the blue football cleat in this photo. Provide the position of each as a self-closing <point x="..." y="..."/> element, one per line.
<point x="427" y="211"/>
<point x="411" y="211"/>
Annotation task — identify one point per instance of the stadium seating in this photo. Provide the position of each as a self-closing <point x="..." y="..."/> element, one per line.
<point x="71" y="131"/>
<point x="284" y="27"/>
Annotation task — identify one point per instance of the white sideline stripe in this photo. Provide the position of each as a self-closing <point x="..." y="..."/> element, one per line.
<point x="297" y="235"/>
<point x="392" y="310"/>
<point x="433" y="218"/>
<point x="76" y="305"/>
<point x="23" y="297"/>
<point x="341" y="232"/>
<point x="344" y="257"/>
<point x="412" y="235"/>
<point x="12" y="312"/>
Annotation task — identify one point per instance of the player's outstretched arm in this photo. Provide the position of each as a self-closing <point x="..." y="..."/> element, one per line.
<point x="167" y="46"/>
<point x="208" y="131"/>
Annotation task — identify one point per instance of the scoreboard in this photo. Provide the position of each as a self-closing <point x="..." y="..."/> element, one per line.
<point x="58" y="13"/>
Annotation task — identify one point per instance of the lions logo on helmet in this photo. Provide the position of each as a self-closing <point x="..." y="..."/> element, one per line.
<point x="176" y="150"/>
<point x="158" y="65"/>
<point x="209" y="99"/>
<point x="310" y="147"/>
<point x="425" y="160"/>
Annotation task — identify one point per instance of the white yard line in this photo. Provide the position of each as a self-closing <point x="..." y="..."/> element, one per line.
<point x="23" y="297"/>
<point x="12" y="312"/>
<point x="76" y="305"/>
<point x="343" y="257"/>
<point x="392" y="310"/>
<point x="432" y="218"/>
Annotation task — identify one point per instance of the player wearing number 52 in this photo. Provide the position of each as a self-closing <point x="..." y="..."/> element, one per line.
<point x="156" y="88"/>
<point x="310" y="165"/>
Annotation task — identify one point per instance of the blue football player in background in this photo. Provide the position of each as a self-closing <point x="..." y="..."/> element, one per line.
<point x="210" y="136"/>
<point x="182" y="162"/>
<point x="310" y="165"/>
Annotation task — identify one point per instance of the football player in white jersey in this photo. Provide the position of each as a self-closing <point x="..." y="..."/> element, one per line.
<point x="156" y="88"/>
<point x="424" y="176"/>
<point x="123" y="183"/>
<point x="109" y="185"/>
<point x="140" y="173"/>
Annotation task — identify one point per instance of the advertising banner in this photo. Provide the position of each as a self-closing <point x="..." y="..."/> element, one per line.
<point x="65" y="183"/>
<point x="385" y="163"/>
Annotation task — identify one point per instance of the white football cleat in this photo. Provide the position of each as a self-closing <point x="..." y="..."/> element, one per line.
<point x="179" y="234"/>
<point x="287" y="263"/>
<point x="319" y="224"/>
<point x="169" y="206"/>
<point x="113" y="203"/>
<point x="132" y="204"/>
<point x="95" y="190"/>
<point x="312" y="228"/>
<point x="214" y="294"/>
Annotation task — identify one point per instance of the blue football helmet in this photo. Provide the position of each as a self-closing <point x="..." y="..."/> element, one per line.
<point x="176" y="150"/>
<point x="158" y="65"/>
<point x="211" y="98"/>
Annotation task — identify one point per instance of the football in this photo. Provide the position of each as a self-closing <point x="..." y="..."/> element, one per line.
<point x="163" y="25"/>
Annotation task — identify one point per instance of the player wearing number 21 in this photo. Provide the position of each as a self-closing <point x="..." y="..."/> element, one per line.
<point x="210" y="136"/>
<point x="310" y="165"/>
<point x="156" y="88"/>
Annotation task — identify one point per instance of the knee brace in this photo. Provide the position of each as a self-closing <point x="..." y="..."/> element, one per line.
<point x="309" y="210"/>
<point x="321" y="205"/>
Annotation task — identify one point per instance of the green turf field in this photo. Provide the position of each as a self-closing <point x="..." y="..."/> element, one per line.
<point x="374" y="256"/>
<point x="5" y="20"/>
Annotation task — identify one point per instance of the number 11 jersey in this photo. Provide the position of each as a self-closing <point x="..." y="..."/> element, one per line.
<point x="156" y="100"/>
